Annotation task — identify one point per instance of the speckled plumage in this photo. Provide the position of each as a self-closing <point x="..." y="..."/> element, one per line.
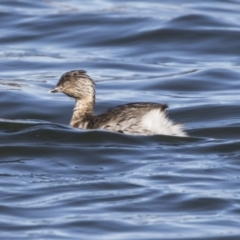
<point x="132" y="118"/>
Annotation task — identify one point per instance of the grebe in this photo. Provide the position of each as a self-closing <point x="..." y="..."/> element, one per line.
<point x="132" y="118"/>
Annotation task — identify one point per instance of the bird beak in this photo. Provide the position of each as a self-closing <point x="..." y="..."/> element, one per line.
<point x="53" y="90"/>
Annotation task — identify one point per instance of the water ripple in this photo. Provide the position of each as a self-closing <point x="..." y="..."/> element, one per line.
<point x="63" y="183"/>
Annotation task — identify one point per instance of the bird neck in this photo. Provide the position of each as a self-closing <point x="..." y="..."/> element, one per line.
<point x="82" y="113"/>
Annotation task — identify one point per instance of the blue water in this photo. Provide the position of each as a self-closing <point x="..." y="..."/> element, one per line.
<point x="57" y="182"/>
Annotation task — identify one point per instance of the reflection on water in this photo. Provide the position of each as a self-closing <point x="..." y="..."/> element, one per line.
<point x="64" y="183"/>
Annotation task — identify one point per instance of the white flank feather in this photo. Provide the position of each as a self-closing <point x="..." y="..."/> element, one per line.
<point x="157" y="122"/>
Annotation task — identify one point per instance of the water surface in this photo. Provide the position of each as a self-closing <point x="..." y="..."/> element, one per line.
<point x="63" y="183"/>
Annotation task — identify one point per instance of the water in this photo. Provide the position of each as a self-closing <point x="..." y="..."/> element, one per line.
<point x="63" y="183"/>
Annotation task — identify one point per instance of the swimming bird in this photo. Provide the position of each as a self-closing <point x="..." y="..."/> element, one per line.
<point x="140" y="118"/>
